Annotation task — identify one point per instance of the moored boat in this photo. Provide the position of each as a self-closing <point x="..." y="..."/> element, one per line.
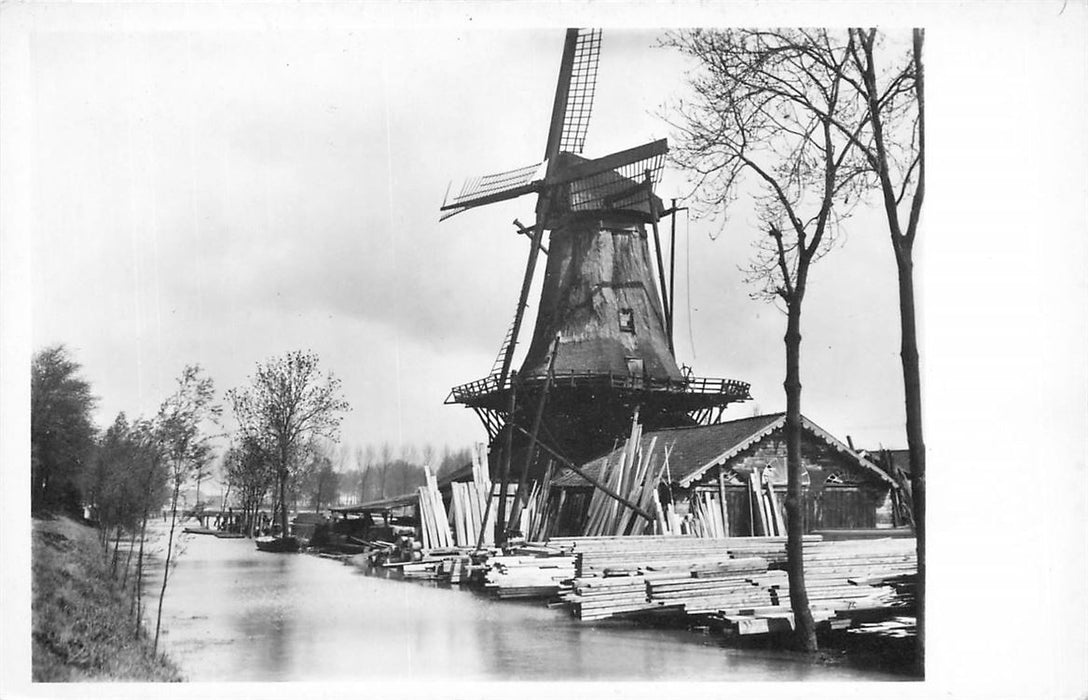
<point x="277" y="544"/>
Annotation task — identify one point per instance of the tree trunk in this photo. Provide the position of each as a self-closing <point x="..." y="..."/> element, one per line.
<point x="128" y="559"/>
<point x="139" y="583"/>
<point x="805" y="628"/>
<point x="283" y="503"/>
<point x="912" y="390"/>
<point x="166" y="564"/>
<point x="116" y="548"/>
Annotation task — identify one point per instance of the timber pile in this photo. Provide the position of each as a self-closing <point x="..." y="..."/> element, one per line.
<point x="710" y="517"/>
<point x="621" y="575"/>
<point x="728" y="592"/>
<point x="845" y="580"/>
<point x="768" y="518"/>
<point x="634" y="478"/>
<point x="596" y="598"/>
<point x="531" y="576"/>
<point x="434" y="524"/>
<point x="690" y="588"/>
<point x="601" y="555"/>
<point x="469" y="503"/>
<point x="854" y="574"/>
<point x="535" y="516"/>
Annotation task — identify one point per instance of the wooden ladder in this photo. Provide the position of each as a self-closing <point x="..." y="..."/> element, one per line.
<point x="496" y="367"/>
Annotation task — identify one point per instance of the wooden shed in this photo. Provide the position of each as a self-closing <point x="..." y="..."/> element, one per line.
<point x="842" y="489"/>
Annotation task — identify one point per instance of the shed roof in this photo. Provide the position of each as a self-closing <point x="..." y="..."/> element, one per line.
<point x="407" y="499"/>
<point x="900" y="459"/>
<point x="695" y="450"/>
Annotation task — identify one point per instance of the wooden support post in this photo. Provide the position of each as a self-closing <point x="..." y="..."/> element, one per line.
<point x="500" y="523"/>
<point x="721" y="495"/>
<point x="672" y="272"/>
<point x="515" y="511"/>
<point x="487" y="514"/>
<point x="665" y="302"/>
<point x="751" y="512"/>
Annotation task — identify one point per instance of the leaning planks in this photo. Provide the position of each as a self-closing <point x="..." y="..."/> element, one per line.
<point x="468" y="503"/>
<point x="434" y="523"/>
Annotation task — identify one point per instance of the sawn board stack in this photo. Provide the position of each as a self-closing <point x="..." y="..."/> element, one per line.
<point x="527" y="576"/>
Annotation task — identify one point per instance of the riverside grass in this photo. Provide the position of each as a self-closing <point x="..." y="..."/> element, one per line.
<point x="81" y="627"/>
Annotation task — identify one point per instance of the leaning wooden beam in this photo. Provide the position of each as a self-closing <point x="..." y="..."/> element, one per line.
<point x="487" y="514"/>
<point x="515" y="510"/>
<point x="665" y="301"/>
<point x="507" y="453"/>
<point x="574" y="468"/>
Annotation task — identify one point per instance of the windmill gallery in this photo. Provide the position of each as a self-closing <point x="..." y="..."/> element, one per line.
<point x="611" y="484"/>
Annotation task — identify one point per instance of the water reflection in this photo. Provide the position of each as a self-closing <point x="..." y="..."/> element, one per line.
<point x="233" y="613"/>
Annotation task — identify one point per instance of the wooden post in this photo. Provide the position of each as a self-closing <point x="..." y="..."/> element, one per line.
<point x="721" y="499"/>
<point x="657" y="248"/>
<point x="500" y="524"/>
<point x="672" y="273"/>
<point x="515" y="511"/>
<point x="751" y="511"/>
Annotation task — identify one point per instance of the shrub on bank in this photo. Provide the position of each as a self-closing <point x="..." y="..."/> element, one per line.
<point x="81" y="625"/>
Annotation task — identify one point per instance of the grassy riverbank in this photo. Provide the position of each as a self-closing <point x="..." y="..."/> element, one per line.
<point x="81" y="625"/>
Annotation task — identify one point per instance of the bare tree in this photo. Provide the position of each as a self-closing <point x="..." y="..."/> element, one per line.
<point x="252" y="476"/>
<point x="894" y="147"/>
<point x="762" y="123"/>
<point x="181" y="421"/>
<point x="287" y="404"/>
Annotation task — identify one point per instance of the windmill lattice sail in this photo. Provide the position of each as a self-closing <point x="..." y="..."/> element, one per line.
<point x="583" y="86"/>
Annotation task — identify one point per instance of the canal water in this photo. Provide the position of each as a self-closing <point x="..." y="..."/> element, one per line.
<point x="232" y="613"/>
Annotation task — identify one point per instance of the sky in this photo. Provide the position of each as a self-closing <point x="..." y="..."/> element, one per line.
<point x="220" y="183"/>
<point x="221" y="197"/>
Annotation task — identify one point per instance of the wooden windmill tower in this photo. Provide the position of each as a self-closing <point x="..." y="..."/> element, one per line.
<point x="602" y="345"/>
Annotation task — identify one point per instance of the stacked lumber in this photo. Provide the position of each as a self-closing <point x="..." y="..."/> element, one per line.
<point x="469" y="503"/>
<point x="633" y="477"/>
<point x="439" y="564"/>
<point x="728" y="589"/>
<point x="896" y="627"/>
<point x="434" y="524"/>
<point x="855" y="574"/>
<point x="690" y="587"/>
<point x="598" y="555"/>
<point x="527" y="576"/>
<point x="596" y="598"/>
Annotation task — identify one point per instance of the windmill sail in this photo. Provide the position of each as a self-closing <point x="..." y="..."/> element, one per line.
<point x="571" y="110"/>
<point x="580" y="91"/>
<point x="497" y="187"/>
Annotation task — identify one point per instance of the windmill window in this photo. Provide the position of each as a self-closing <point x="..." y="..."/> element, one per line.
<point x="634" y="366"/>
<point x="627" y="320"/>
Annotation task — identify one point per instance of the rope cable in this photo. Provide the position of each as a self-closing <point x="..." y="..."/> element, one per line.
<point x="687" y="279"/>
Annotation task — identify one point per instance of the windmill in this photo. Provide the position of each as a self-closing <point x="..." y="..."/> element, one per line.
<point x="602" y="345"/>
